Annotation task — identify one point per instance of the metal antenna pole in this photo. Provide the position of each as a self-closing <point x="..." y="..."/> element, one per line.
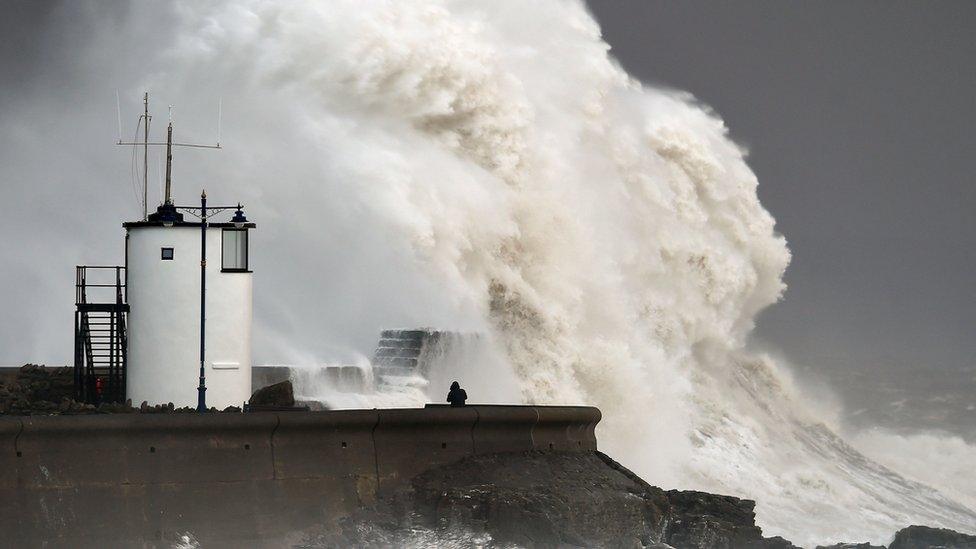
<point x="145" y="156"/>
<point x="168" y="197"/>
<point x="202" y="388"/>
<point x="169" y="161"/>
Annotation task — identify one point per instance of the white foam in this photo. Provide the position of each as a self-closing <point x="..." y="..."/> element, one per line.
<point x="488" y="167"/>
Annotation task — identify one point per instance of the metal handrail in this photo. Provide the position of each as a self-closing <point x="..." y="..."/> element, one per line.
<point x="100" y="354"/>
<point x="82" y="284"/>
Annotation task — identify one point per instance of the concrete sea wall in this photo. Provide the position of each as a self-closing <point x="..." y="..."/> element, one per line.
<point x="233" y="480"/>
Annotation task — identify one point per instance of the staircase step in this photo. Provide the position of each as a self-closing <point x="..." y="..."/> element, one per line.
<point x="384" y="373"/>
<point x="404" y="334"/>
<point x="402" y="343"/>
<point x="406" y="352"/>
<point x="404" y="362"/>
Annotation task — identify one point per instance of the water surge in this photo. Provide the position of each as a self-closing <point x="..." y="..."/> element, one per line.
<point x="489" y="168"/>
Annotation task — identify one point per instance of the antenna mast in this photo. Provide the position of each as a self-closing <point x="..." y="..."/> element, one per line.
<point x="169" y="153"/>
<point x="169" y="162"/>
<point x="145" y="157"/>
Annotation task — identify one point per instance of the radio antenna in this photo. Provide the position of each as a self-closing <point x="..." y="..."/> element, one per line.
<point x="145" y="156"/>
<point x="159" y="177"/>
<point x="219" y="102"/>
<point x="169" y="153"/>
<point x="118" y="108"/>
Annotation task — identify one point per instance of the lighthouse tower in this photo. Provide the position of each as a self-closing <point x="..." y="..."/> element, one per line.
<point x="189" y="295"/>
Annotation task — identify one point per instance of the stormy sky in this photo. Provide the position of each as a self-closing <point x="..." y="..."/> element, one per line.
<point x="859" y="119"/>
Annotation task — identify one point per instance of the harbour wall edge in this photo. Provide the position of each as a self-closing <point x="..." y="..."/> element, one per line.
<point x="230" y="480"/>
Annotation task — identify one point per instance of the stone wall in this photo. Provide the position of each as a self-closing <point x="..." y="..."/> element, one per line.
<point x="232" y="480"/>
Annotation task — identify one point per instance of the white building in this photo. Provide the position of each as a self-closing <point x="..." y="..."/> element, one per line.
<point x="164" y="295"/>
<point x="172" y="325"/>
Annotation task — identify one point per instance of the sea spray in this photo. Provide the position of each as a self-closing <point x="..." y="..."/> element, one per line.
<point x="489" y="168"/>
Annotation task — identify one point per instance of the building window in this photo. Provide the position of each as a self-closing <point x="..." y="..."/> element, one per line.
<point x="234" y="250"/>
<point x="167" y="254"/>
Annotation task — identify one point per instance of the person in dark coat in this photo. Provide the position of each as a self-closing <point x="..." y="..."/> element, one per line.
<point x="457" y="396"/>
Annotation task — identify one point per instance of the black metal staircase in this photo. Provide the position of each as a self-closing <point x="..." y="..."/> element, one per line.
<point x="100" y="333"/>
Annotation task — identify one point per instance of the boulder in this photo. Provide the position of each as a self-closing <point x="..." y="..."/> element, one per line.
<point x="277" y="395"/>
<point x="925" y="537"/>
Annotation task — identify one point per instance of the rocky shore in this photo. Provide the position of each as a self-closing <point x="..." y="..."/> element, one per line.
<point x="33" y="390"/>
<point x="40" y="390"/>
<point x="546" y="499"/>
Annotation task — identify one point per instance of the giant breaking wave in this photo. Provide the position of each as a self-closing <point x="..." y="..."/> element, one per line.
<point x="489" y="167"/>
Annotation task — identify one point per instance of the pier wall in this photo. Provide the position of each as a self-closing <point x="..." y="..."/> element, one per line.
<point x="233" y="480"/>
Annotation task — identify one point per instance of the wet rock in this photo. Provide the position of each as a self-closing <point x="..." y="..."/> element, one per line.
<point x="851" y="546"/>
<point x="699" y="519"/>
<point x="312" y="405"/>
<point x="924" y="537"/>
<point x="278" y="395"/>
<point x="775" y="542"/>
<point x="548" y="499"/>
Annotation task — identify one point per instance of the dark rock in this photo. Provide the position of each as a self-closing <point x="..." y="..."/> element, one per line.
<point x="280" y="394"/>
<point x="41" y="385"/>
<point x="699" y="519"/>
<point x="312" y="405"/>
<point x="37" y="390"/>
<point x="924" y="537"/>
<point x="775" y="542"/>
<point x="44" y="405"/>
<point x="232" y="409"/>
<point x="115" y="408"/>
<point x="851" y="546"/>
<point x="547" y="499"/>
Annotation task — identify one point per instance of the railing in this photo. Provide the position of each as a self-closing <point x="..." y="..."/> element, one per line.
<point x="100" y="333"/>
<point x="103" y="281"/>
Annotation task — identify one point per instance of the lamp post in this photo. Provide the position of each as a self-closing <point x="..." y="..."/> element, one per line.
<point x="204" y="213"/>
<point x="202" y="388"/>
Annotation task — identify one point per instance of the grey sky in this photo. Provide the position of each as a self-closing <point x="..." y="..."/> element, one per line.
<point x="859" y="118"/>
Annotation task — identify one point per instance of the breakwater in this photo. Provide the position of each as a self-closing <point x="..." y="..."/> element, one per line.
<point x="231" y="480"/>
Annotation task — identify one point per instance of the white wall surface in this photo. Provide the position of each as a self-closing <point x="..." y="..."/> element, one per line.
<point x="164" y="321"/>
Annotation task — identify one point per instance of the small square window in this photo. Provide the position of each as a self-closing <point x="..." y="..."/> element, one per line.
<point x="167" y="253"/>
